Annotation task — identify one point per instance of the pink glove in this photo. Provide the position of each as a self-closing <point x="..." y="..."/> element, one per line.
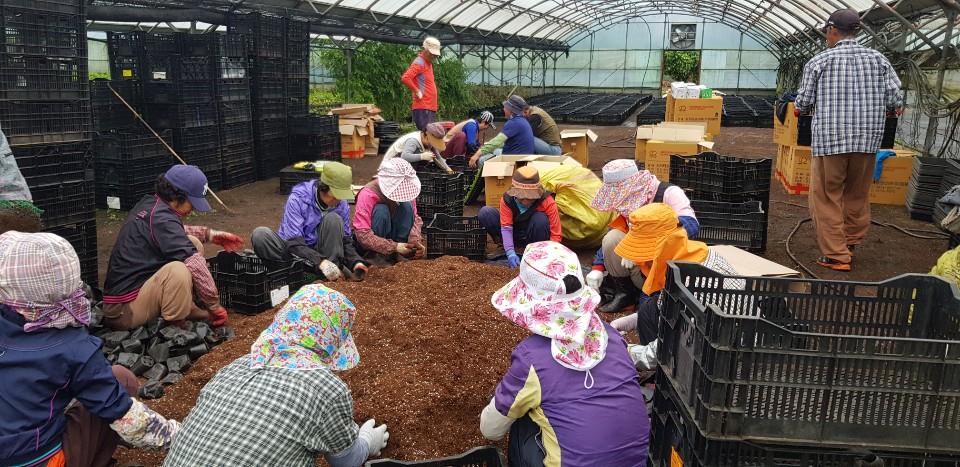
<point x="230" y="242"/>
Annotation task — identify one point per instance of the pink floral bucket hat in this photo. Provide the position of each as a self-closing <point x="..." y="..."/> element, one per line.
<point x="625" y="187"/>
<point x="398" y="180"/>
<point x="550" y="299"/>
<point x="312" y="331"/>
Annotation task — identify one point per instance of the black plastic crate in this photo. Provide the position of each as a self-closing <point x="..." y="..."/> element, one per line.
<point x="257" y="24"/>
<point x="108" y="111"/>
<point x="676" y="440"/>
<point x="163" y="92"/>
<point x="440" y="189"/>
<point x="194" y="115"/>
<point x="236" y="133"/>
<point x="266" y="109"/>
<point x="237" y="156"/>
<point x="265" y="47"/>
<point x="161" y="68"/>
<point x="234" y="111"/>
<point x="123" y="196"/>
<point x="230" y="90"/>
<point x="455" y="236"/>
<point x="266" y="89"/>
<point x="743" y="225"/>
<point x="43" y="78"/>
<point x="290" y="177"/>
<point x="40" y="122"/>
<point x="269" y="129"/>
<point x="195" y="92"/>
<point x="52" y="163"/>
<point x="161" y="44"/>
<point x="710" y="173"/>
<point x="197" y="138"/>
<point x="83" y="237"/>
<point x="267" y="69"/>
<point x="271" y="157"/>
<point x="125" y="44"/>
<point x="247" y="284"/>
<point x="238" y="176"/>
<point x="298" y="107"/>
<point x="428" y="211"/>
<point x="817" y="362"/>
<point x="130" y="145"/>
<point x="195" y="69"/>
<point x="298" y="88"/>
<point x="65" y="7"/>
<point x="232" y="68"/>
<point x="313" y="148"/>
<point x="43" y="33"/>
<point x="230" y="45"/>
<point x="126" y="68"/>
<point x="64" y="202"/>
<point x="143" y="172"/>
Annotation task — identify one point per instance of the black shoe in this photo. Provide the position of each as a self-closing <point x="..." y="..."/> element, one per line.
<point x="625" y="295"/>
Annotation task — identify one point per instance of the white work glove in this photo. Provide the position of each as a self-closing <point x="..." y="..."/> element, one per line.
<point x="644" y="356"/>
<point x="626" y="323"/>
<point x="330" y="271"/>
<point x="627" y="264"/>
<point x="427" y="156"/>
<point x="376" y="437"/>
<point x="594" y="279"/>
<point x="419" y="94"/>
<point x="403" y="249"/>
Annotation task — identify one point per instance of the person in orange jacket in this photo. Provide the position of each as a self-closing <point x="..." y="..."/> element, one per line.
<point x="419" y="78"/>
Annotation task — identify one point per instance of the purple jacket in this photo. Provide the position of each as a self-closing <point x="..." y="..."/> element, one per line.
<point x="302" y="214"/>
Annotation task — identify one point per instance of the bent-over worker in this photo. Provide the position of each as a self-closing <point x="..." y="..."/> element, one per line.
<point x="527" y="214"/>
<point x="385" y="220"/>
<point x="424" y="145"/>
<point x="570" y="395"/>
<point x="469" y="132"/>
<point x="283" y="403"/>
<point x="61" y="403"/>
<point x="157" y="267"/>
<point x="316" y="226"/>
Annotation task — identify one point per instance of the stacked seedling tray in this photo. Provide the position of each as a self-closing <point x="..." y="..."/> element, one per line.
<point x="387" y="132"/>
<point x="951" y="178"/>
<point x="440" y="193"/>
<point x="455" y="236"/>
<point x="45" y="115"/>
<point x="250" y="285"/>
<point x="129" y="162"/>
<point x="924" y="186"/>
<point x="736" y="112"/>
<point x="653" y="112"/>
<point x="757" y="359"/>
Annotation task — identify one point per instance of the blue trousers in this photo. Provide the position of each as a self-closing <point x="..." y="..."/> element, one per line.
<point x="537" y="229"/>
<point x="396" y="227"/>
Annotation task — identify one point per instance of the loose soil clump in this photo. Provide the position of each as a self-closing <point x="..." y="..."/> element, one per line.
<point x="432" y="350"/>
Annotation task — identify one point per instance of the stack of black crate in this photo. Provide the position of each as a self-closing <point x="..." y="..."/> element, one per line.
<point x="297" y="82"/>
<point x="265" y="52"/>
<point x="197" y="136"/>
<point x="45" y="115"/>
<point x="232" y="84"/>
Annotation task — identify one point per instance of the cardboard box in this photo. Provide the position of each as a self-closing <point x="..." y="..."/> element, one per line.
<point x="892" y="187"/>
<point x="750" y="265"/>
<point x="712" y="124"/>
<point x="576" y="144"/>
<point x="656" y="143"/>
<point x="786" y="133"/>
<point x="708" y="111"/>
<point x="353" y="141"/>
<point x="498" y="172"/>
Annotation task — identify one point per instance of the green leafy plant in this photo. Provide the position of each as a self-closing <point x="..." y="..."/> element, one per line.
<point x="681" y="65"/>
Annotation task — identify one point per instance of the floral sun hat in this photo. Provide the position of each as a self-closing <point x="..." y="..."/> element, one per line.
<point x="625" y="187"/>
<point x="312" y="331"/>
<point x="538" y="301"/>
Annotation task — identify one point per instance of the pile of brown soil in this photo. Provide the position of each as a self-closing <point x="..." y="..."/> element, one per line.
<point x="432" y="350"/>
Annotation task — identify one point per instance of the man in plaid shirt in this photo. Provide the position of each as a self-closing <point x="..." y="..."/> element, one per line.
<point x="850" y="89"/>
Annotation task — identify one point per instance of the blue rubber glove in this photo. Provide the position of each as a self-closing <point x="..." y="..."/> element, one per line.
<point x="513" y="260"/>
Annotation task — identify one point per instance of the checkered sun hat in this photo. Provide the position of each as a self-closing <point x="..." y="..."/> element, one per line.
<point x="398" y="180"/>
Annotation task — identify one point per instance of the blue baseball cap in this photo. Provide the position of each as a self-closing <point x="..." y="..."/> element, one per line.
<point x="190" y="179"/>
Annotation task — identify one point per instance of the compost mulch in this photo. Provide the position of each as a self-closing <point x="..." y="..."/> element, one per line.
<point x="432" y="350"/>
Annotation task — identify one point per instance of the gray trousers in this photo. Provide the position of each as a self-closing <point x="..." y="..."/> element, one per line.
<point x="611" y="260"/>
<point x="330" y="245"/>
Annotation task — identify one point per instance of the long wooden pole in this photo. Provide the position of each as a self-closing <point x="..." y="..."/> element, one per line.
<point x="162" y="141"/>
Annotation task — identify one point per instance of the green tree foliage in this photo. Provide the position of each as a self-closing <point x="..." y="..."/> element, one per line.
<point x="681" y="65"/>
<point x="377" y="67"/>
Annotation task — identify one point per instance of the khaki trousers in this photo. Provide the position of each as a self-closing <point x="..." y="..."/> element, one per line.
<point x="840" y="201"/>
<point x="167" y="293"/>
<point x="611" y="260"/>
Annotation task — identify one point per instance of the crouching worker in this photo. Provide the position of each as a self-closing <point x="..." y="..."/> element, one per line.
<point x="61" y="403"/>
<point x="283" y="404"/>
<point x="316" y="226"/>
<point x="527" y="214"/>
<point x="419" y="146"/>
<point x="570" y="395"/>
<point x="385" y="220"/>
<point x="157" y="266"/>
<point x="655" y="238"/>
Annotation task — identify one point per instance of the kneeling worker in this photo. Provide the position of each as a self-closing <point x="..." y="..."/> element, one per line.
<point x="316" y="226"/>
<point x="527" y="214"/>
<point x="157" y="267"/>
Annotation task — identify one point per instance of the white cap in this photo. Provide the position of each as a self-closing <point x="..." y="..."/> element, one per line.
<point x="433" y="45"/>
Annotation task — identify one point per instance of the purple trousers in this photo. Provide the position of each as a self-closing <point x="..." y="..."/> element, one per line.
<point x="535" y="229"/>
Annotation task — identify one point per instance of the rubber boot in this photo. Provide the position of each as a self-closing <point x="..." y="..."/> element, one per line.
<point x="625" y="295"/>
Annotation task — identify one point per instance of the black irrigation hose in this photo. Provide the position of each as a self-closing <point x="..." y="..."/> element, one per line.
<point x="905" y="231"/>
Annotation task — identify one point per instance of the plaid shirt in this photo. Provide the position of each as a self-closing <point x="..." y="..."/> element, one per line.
<point x="266" y="417"/>
<point x="850" y="87"/>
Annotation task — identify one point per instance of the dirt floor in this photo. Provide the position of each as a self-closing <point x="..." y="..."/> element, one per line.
<point x="886" y="252"/>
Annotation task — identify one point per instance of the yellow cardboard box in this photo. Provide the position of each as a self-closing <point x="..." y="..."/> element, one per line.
<point x="655" y="141"/>
<point x="892" y="186"/>
<point x="353" y="139"/>
<point x="498" y="171"/>
<point x="576" y="144"/>
<point x="786" y="133"/>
